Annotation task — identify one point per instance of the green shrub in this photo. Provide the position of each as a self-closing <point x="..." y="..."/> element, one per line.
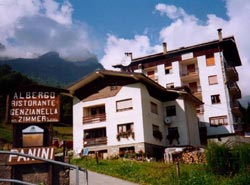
<point x="239" y="179"/>
<point x="241" y="157"/>
<point x="218" y="158"/>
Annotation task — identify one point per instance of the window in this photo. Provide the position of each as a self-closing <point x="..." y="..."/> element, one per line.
<point x="125" y="127"/>
<point x="171" y="110"/>
<point x="190" y="68"/>
<point x="153" y="107"/>
<point x="219" y="120"/>
<point x="125" y="131"/>
<point x="168" y="70"/>
<point x="124" y="105"/>
<point x="170" y="85"/>
<point x="113" y="87"/>
<point x="97" y="110"/>
<point x="94" y="133"/>
<point x="210" y="60"/>
<point x="173" y="134"/>
<point x="212" y="80"/>
<point x="155" y="128"/>
<point x="215" y="99"/>
<point x="156" y="132"/>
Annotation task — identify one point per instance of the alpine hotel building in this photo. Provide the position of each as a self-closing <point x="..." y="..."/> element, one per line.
<point x="173" y="98"/>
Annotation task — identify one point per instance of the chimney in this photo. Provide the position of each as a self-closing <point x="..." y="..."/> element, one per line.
<point x="220" y="34"/>
<point x="129" y="55"/>
<point x="164" y="45"/>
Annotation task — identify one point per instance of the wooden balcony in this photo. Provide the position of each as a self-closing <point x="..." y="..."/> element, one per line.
<point x="197" y="93"/>
<point x="235" y="107"/>
<point x="234" y="90"/>
<point x="94" y="118"/>
<point x="232" y="74"/>
<point x="200" y="109"/>
<point x="187" y="76"/>
<point x="95" y="141"/>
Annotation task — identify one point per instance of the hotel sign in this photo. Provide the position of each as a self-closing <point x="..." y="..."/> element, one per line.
<point x="42" y="152"/>
<point x="39" y="105"/>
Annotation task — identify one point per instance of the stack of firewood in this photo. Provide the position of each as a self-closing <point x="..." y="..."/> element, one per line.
<point x="195" y="156"/>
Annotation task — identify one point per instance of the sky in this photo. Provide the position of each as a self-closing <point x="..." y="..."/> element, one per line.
<point x="79" y="29"/>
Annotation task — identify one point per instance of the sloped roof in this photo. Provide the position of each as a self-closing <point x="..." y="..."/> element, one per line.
<point x="103" y="78"/>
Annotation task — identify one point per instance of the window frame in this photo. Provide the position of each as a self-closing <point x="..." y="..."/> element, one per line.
<point x="126" y="108"/>
<point x="168" y="70"/>
<point x="154" y="107"/>
<point x="210" y="60"/>
<point x="218" y="121"/>
<point x="215" y="99"/>
<point x="214" y="82"/>
<point x="127" y="126"/>
<point x="170" y="112"/>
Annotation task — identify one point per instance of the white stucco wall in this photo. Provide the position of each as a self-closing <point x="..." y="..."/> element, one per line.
<point x="113" y="118"/>
<point x="141" y="117"/>
<point x="150" y="119"/>
<point x="212" y="110"/>
<point x="174" y="77"/>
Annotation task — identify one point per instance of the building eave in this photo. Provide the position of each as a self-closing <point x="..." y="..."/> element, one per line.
<point x="154" y="88"/>
<point x="227" y="46"/>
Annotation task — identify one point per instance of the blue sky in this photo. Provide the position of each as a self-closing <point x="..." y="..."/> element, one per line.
<point x="78" y="29"/>
<point x="129" y="17"/>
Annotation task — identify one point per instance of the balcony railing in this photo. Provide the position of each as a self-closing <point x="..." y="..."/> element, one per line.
<point x="189" y="75"/>
<point x="232" y="74"/>
<point x="95" y="141"/>
<point x="234" y="90"/>
<point x="94" y="118"/>
<point x="235" y="106"/>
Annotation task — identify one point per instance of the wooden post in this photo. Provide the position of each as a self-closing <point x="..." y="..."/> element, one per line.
<point x="96" y="158"/>
<point x="178" y="168"/>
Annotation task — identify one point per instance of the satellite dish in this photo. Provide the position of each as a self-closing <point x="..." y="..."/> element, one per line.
<point x="168" y="120"/>
<point x="126" y="60"/>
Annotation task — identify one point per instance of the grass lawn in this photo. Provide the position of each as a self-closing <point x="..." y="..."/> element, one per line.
<point x="159" y="173"/>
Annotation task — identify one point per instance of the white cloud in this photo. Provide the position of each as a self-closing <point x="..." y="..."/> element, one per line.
<point x="173" y="12"/>
<point x="116" y="47"/>
<point x="39" y="26"/>
<point x="186" y="30"/>
<point x="59" y="13"/>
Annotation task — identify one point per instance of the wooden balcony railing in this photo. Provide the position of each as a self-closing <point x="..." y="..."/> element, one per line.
<point x="234" y="90"/>
<point x="94" y="118"/>
<point x="235" y="107"/>
<point x="189" y="73"/>
<point x="95" y="141"/>
<point x="232" y="74"/>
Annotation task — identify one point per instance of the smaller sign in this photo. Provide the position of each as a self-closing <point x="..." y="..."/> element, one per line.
<point x="42" y="152"/>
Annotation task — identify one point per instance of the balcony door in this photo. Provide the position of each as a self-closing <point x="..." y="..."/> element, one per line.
<point x="191" y="68"/>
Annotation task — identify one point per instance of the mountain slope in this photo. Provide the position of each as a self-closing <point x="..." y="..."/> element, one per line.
<point x="50" y="69"/>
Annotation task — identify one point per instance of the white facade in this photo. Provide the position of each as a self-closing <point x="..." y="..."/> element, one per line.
<point x="141" y="119"/>
<point x="210" y="110"/>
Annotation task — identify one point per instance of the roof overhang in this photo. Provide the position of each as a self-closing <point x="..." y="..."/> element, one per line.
<point x="227" y="46"/>
<point x="154" y="88"/>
